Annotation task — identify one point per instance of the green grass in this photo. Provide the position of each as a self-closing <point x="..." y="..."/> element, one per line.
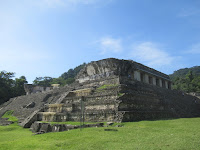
<point x="106" y="86"/>
<point x="177" y="134"/>
<point x="120" y="94"/>
<point x="10" y="117"/>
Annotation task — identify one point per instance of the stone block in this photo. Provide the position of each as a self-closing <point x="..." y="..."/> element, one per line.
<point x="35" y="127"/>
<point x="45" y="127"/>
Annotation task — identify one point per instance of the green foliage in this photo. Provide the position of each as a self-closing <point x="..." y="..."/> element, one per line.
<point x="43" y="81"/>
<point x="106" y="86"/>
<point x="6" y="85"/>
<point x="182" y="72"/>
<point x="59" y="80"/>
<point x="120" y="94"/>
<point x="66" y="78"/>
<point x="19" y="86"/>
<point x="71" y="73"/>
<point x="10" y="88"/>
<point x="177" y="134"/>
<point x="188" y="83"/>
<point x="69" y="76"/>
<point x="10" y="117"/>
<point x="69" y="80"/>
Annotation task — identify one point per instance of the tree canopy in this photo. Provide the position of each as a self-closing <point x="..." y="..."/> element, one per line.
<point x="9" y="87"/>
<point x="187" y="81"/>
<point x="182" y="72"/>
<point x="43" y="81"/>
<point x="65" y="78"/>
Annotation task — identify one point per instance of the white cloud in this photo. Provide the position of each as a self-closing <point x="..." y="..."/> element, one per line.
<point x="150" y="54"/>
<point x="110" y="45"/>
<point x="195" y="49"/>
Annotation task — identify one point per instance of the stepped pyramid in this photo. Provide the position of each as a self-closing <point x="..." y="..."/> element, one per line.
<point x="108" y="90"/>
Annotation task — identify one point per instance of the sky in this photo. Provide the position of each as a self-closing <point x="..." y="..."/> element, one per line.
<point x="48" y="37"/>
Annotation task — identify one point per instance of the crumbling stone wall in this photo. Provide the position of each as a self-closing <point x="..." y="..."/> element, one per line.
<point x="31" y="89"/>
<point x="114" y="67"/>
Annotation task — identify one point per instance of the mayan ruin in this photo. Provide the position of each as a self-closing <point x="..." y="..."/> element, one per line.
<point x="110" y="90"/>
<point x="99" y="75"/>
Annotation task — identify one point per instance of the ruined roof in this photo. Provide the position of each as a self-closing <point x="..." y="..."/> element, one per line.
<point x="113" y="66"/>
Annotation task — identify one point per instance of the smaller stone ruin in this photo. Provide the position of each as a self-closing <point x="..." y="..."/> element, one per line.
<point x="31" y="89"/>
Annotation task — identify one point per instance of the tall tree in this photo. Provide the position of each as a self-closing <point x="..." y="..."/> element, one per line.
<point x="19" y="86"/>
<point x="6" y="84"/>
<point x="10" y="88"/>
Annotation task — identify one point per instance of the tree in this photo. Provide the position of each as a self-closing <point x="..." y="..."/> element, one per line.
<point x="69" y="76"/>
<point x="10" y="88"/>
<point x="6" y="85"/>
<point x="196" y="82"/>
<point x="189" y="76"/>
<point x="188" y="83"/>
<point x="43" y="81"/>
<point x="19" y="86"/>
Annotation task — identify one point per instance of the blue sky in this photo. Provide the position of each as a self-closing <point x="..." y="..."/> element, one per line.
<point x="48" y="37"/>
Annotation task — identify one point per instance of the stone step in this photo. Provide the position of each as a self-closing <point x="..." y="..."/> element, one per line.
<point x="54" y="108"/>
<point x="51" y="116"/>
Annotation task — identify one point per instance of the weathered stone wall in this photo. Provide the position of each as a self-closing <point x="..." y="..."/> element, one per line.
<point x="114" y="67"/>
<point x="103" y="69"/>
<point x="100" y="105"/>
<point x="32" y="89"/>
<point x="147" y="102"/>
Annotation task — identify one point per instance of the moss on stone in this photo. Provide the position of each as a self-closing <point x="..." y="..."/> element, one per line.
<point x="106" y="86"/>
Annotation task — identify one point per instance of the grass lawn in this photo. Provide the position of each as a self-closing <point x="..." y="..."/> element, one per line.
<point x="178" y="134"/>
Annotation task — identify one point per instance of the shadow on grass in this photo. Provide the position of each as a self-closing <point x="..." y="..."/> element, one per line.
<point x="163" y="119"/>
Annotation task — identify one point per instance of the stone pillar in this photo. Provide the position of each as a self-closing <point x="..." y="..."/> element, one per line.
<point x="146" y="78"/>
<point x="137" y="75"/>
<point x="166" y="84"/>
<point x="160" y="82"/>
<point x="154" y="80"/>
